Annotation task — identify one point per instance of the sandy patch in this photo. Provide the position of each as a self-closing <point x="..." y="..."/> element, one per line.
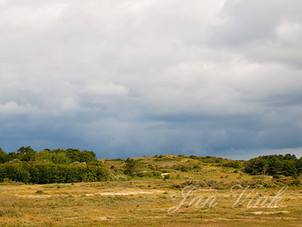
<point x="33" y="196"/>
<point x="104" y="218"/>
<point x="122" y="193"/>
<point x="207" y="190"/>
<point x="269" y="212"/>
<point x="125" y="193"/>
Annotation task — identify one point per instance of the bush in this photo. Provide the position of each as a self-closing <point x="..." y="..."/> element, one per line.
<point x="130" y="167"/>
<point x="233" y="164"/>
<point x="167" y="177"/>
<point x="184" y="169"/>
<point x="156" y="174"/>
<point x="146" y="174"/>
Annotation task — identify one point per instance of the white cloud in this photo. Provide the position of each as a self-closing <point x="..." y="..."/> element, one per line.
<point x="153" y="72"/>
<point x="13" y="108"/>
<point x="69" y="104"/>
<point x="105" y="89"/>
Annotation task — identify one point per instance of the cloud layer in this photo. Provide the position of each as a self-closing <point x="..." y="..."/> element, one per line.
<point x="144" y="77"/>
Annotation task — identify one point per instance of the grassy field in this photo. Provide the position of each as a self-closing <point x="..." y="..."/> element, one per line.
<point x="155" y="201"/>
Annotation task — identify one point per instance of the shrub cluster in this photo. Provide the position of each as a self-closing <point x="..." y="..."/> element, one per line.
<point x="43" y="173"/>
<point x="51" y="166"/>
<point x="233" y="164"/>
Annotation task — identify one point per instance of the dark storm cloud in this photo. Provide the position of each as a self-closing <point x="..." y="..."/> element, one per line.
<point x="129" y="78"/>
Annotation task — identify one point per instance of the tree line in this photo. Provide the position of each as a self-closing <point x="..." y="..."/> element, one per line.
<point x="287" y="165"/>
<point x="51" y="166"/>
<point x="57" y="156"/>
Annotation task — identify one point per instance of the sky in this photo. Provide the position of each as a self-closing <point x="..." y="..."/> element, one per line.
<point x="129" y="78"/>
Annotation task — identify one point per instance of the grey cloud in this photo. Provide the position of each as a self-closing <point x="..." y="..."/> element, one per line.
<point x="130" y="78"/>
<point x="262" y="31"/>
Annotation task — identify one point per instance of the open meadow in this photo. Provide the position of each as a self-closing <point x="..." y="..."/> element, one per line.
<point x="207" y="195"/>
<point x="137" y="203"/>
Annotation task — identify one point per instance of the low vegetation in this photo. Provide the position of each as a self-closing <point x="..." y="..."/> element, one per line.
<point x="72" y="188"/>
<point x="72" y="165"/>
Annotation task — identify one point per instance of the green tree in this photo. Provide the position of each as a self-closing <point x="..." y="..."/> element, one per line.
<point x="275" y="166"/>
<point x="14" y="172"/>
<point x="299" y="166"/>
<point x="256" y="166"/>
<point x="12" y="156"/>
<point x="60" y="158"/>
<point x="3" y="156"/>
<point x="44" y="155"/>
<point x="27" y="153"/>
<point x="287" y="165"/>
<point x="87" y="156"/>
<point x="289" y="168"/>
<point x="73" y="154"/>
<point x="130" y="166"/>
<point x="290" y="157"/>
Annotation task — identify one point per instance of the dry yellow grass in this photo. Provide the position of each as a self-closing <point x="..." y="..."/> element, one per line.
<point x="137" y="203"/>
<point x="144" y="201"/>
